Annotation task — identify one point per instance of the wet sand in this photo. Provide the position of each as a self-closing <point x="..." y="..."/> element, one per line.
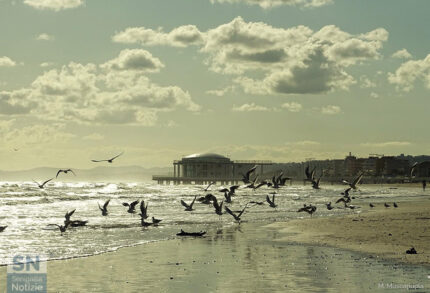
<point x="259" y="257"/>
<point x="384" y="232"/>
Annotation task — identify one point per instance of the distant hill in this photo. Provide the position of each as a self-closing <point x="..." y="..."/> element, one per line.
<point x="97" y="174"/>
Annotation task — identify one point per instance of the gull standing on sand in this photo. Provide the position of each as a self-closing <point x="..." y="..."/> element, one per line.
<point x="386" y="205"/>
<point x="371" y="205"/>
<point x="41" y="186"/>
<point x="104" y="209"/>
<point x="131" y="206"/>
<point x="65" y="171"/>
<point x="188" y="207"/>
<point x="156" y="221"/>
<point x="329" y="207"/>
<point x="108" y="160"/>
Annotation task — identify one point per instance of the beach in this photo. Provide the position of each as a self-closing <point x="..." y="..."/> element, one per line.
<point x="322" y="254"/>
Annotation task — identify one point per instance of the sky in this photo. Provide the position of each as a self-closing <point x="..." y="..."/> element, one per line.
<point x="280" y="80"/>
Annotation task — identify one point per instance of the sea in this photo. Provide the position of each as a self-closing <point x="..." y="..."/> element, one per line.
<point x="29" y="212"/>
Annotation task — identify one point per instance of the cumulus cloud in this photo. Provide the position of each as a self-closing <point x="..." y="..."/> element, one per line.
<point x="252" y="107"/>
<point x="6" y="62"/>
<point x="402" y="54"/>
<point x="292" y="106"/>
<point x="115" y="92"/>
<point x="221" y="92"/>
<point x="387" y="144"/>
<point x="179" y="37"/>
<point x="44" y="37"/>
<point x="55" y="5"/>
<point x="365" y="82"/>
<point x="274" y="3"/>
<point x="330" y="110"/>
<point x="294" y="60"/>
<point x="409" y="72"/>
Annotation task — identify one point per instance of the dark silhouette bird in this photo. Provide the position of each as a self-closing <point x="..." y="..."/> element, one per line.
<point x="271" y="201"/>
<point x="67" y="217"/>
<point x="310" y="209"/>
<point x="108" y="160"/>
<point x="143" y="210"/>
<point x="227" y="196"/>
<point x="65" y="171"/>
<point x="259" y="203"/>
<point x="233" y="214"/>
<point x="61" y="227"/>
<point x="218" y="207"/>
<point x="210" y="184"/>
<point x="131" y="206"/>
<point x="386" y="205"/>
<point x="346" y="192"/>
<point x="395" y="205"/>
<point x="413" y="168"/>
<point x="41" y="186"/>
<point x="356" y="180"/>
<point x="316" y="183"/>
<point x="207" y="199"/>
<point x="371" y="205"/>
<point x="2" y="228"/>
<point x="145" y="224"/>
<point x="329" y="207"/>
<point x="246" y="177"/>
<point x="309" y="174"/>
<point x="104" y="209"/>
<point x="78" y="223"/>
<point x="156" y="221"/>
<point x="231" y="190"/>
<point x="411" y="251"/>
<point x="188" y="207"/>
<point x="252" y="184"/>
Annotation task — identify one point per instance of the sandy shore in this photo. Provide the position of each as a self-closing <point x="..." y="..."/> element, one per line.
<point x="385" y="232"/>
<point x="257" y="257"/>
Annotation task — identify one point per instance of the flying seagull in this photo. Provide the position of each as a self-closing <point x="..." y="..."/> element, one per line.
<point x="108" y="160"/>
<point x="104" y="209"/>
<point x="210" y="184"/>
<point x="218" y="207"/>
<point x="131" y="206"/>
<point x="354" y="183"/>
<point x="143" y="210"/>
<point x="61" y="227"/>
<point x="65" y="171"/>
<point x="188" y="207"/>
<point x="41" y="186"/>
<point x="310" y="209"/>
<point x="271" y="202"/>
<point x="234" y="215"/>
<point x="309" y="175"/>
<point x="2" y="228"/>
<point x="67" y="217"/>
<point x="246" y="177"/>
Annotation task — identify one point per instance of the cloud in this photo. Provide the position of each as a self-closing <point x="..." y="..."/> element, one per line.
<point x="366" y="83"/>
<point x="179" y="37"/>
<point x="409" y="72"/>
<point x="402" y="54"/>
<point x="44" y="37"/>
<point x="135" y="59"/>
<point x="295" y="60"/>
<point x="221" y="92"/>
<point x="330" y="110"/>
<point x="6" y="62"/>
<point x="250" y="108"/>
<point x="292" y="106"/>
<point x="387" y="144"/>
<point x="266" y="4"/>
<point x="55" y="5"/>
<point x="94" y="137"/>
<point x="46" y="64"/>
<point x="374" y="95"/>
<point x="115" y="92"/>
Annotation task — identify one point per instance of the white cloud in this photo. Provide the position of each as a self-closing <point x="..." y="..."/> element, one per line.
<point x="374" y="95"/>
<point x="221" y="92"/>
<point x="55" y="5"/>
<point x="6" y="62"/>
<point x="44" y="37"/>
<point x="292" y="106"/>
<point x="115" y="92"/>
<point x="409" y="72"/>
<point x="250" y="108"/>
<point x="135" y="59"/>
<point x="274" y="3"/>
<point x="402" y="54"/>
<point x="179" y="37"/>
<point x="366" y="82"/>
<point x="330" y="110"/>
<point x="46" y="64"/>
<point x="387" y="144"/>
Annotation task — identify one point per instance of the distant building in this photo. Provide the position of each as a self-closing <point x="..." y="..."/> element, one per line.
<point x="209" y="167"/>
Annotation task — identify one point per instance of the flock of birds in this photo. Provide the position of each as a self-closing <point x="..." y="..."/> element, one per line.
<point x="250" y="180"/>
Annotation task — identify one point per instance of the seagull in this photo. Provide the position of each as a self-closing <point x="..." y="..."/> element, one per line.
<point x="371" y="205"/>
<point x="41" y="186"/>
<point x="2" y="228"/>
<point x="207" y="188"/>
<point x="143" y="210"/>
<point x="65" y="171"/>
<point x="131" y="206"/>
<point x="271" y="202"/>
<point x="310" y="209"/>
<point x="218" y="207"/>
<point x="235" y="216"/>
<point x="156" y="221"/>
<point x="346" y="192"/>
<point x="245" y="177"/>
<point x="354" y="183"/>
<point x="227" y="196"/>
<point x="309" y="175"/>
<point x="205" y="199"/>
<point x="108" y="160"/>
<point x="67" y="217"/>
<point x="414" y="166"/>
<point x="316" y="184"/>
<point x="230" y="190"/>
<point x="61" y="227"/>
<point x="260" y="203"/>
<point x="395" y="205"/>
<point x="329" y="207"/>
<point x="145" y="224"/>
<point x="78" y="223"/>
<point x="104" y="209"/>
<point x="386" y="205"/>
<point x="188" y="207"/>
